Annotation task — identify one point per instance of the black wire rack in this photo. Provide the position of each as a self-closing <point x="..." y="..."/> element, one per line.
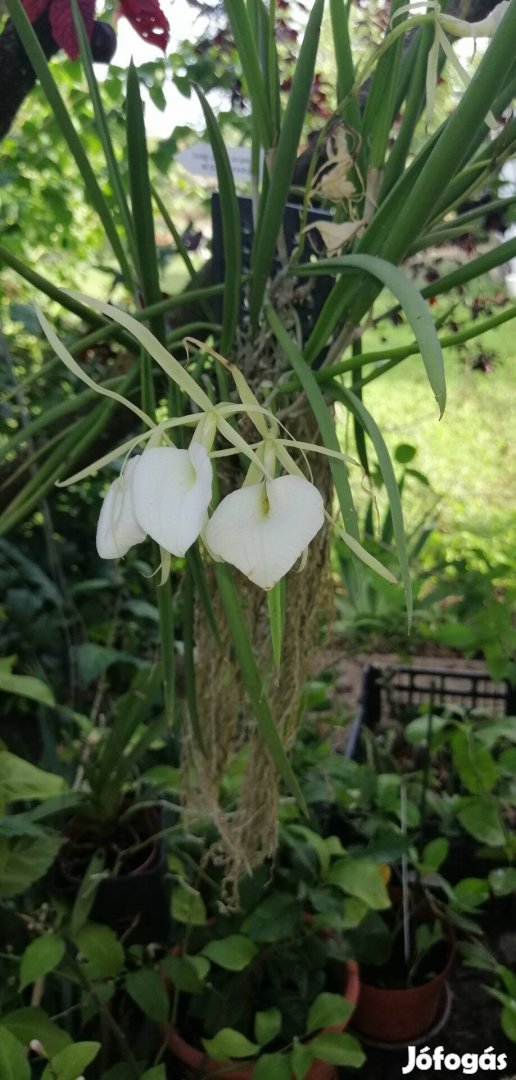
<point x="398" y="692"/>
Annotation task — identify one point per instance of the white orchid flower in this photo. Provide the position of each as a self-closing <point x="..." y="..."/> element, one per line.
<point x="117" y="529"/>
<point x="264" y="528"/>
<point x="164" y="494"/>
<point x="171" y="494"/>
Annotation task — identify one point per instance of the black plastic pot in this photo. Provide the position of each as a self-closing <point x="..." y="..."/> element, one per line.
<point x="136" y="903"/>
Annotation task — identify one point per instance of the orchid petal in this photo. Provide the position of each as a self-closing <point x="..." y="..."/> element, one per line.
<point x="118" y="529"/>
<point x="263" y="529"/>
<point x="335" y="235"/>
<point x="172" y="491"/>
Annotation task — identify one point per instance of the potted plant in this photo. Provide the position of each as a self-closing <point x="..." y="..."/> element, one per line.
<point x="114" y="851"/>
<point x="267" y="994"/>
<point x="405" y="965"/>
<point x="274" y="985"/>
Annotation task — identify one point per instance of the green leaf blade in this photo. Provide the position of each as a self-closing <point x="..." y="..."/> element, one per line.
<point x="230" y="228"/>
<point x="410" y="300"/>
<point x="270" y="222"/>
<point x="40" y="957"/>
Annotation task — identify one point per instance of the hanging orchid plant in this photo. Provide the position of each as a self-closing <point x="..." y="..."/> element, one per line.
<point x="165" y="493"/>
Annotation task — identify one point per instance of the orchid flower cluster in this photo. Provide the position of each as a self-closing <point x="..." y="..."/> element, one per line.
<point x="166" y="492"/>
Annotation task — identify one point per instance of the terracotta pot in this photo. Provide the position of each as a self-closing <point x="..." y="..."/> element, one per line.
<point x="228" y="1070"/>
<point x="400" y="1016"/>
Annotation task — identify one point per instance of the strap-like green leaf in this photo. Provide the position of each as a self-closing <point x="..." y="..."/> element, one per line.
<point x="103" y="128"/>
<point x="350" y="112"/>
<point x="141" y="201"/>
<point x="69" y="449"/>
<point x="381" y="100"/>
<point x="93" y="191"/>
<point x="410" y="300"/>
<point x="168" y="648"/>
<point x="359" y="410"/>
<point x="188" y="652"/>
<point x="270" y="223"/>
<point x="248" y="53"/>
<point x="230" y="228"/>
<point x="276" y="602"/>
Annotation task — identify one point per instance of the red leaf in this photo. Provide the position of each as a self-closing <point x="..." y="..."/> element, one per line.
<point x="147" y="18"/>
<point x="35" y="8"/>
<point x="62" y="25"/>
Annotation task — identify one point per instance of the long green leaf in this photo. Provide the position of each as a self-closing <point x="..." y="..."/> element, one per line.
<point x="103" y="128"/>
<point x="349" y="109"/>
<point x="53" y="415"/>
<point x="269" y="225"/>
<point x="141" y="201"/>
<point x="353" y="403"/>
<point x="420" y="189"/>
<point x="248" y="53"/>
<point x="230" y="228"/>
<point x="252" y="681"/>
<point x="324" y="420"/>
<point x="176" y="235"/>
<point x="410" y="300"/>
<point x="93" y="191"/>
<point x="72" y="447"/>
<point x="458" y="136"/>
<point x="474" y="268"/>
<point x="201" y="588"/>
<point x="381" y="99"/>
<point x="411" y="114"/>
<point x="52" y="291"/>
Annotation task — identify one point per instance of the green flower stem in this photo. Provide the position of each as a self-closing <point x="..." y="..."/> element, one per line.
<point x="165" y="604"/>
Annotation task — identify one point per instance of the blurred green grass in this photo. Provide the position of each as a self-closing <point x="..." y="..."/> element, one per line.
<point x="469" y="456"/>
